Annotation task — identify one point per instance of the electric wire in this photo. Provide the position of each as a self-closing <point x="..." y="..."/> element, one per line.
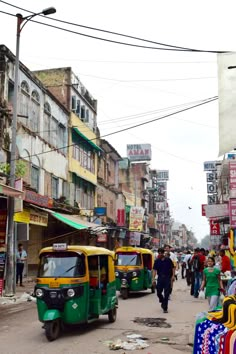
<point x="212" y="99"/>
<point x="170" y="46"/>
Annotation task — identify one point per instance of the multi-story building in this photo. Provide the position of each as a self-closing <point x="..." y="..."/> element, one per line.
<point x="83" y="150"/>
<point x="42" y="148"/>
<point x="133" y="181"/>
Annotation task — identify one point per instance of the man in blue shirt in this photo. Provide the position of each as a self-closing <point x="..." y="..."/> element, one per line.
<point x="165" y="270"/>
<point x="21" y="257"/>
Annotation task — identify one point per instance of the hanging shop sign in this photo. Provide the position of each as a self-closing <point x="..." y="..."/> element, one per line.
<point x="214" y="210"/>
<point x="38" y="199"/>
<point x="139" y="152"/>
<point x="232" y="179"/>
<point x="102" y="238"/>
<point x="120" y="217"/>
<point x="204" y="209"/>
<point x="136" y="218"/>
<point x="3" y="228"/>
<point x="214" y="228"/>
<point x="38" y="218"/>
<point x="232" y="212"/>
<point x="23" y="216"/>
<point x="100" y="211"/>
<point x="163" y="175"/>
<point x="210" y="166"/>
<point x="134" y="238"/>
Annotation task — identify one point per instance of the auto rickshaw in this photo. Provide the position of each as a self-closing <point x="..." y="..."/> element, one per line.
<point x="75" y="284"/>
<point x="133" y="269"/>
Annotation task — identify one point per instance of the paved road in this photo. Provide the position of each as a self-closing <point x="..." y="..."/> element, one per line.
<point x="21" y="332"/>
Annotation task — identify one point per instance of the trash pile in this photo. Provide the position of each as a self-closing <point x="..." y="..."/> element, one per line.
<point x="15" y="300"/>
<point x="134" y="341"/>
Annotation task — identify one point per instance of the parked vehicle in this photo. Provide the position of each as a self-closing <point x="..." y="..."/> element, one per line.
<point x="133" y="269"/>
<point x="75" y="284"/>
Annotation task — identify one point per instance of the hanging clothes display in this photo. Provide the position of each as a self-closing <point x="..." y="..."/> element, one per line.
<point x="215" y="332"/>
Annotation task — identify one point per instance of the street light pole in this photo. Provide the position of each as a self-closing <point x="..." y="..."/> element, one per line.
<point x="10" y="286"/>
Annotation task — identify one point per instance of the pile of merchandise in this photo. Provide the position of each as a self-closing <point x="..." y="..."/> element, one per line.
<point x="215" y="332"/>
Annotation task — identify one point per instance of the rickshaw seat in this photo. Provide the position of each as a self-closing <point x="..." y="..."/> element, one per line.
<point x="93" y="282"/>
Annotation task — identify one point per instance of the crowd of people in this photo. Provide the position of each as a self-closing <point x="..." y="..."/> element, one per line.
<point x="202" y="270"/>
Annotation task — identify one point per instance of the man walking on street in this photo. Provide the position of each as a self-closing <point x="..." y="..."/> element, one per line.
<point x="165" y="271"/>
<point x="21" y="257"/>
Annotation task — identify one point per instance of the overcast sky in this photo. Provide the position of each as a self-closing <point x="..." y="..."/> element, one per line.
<point x="142" y="83"/>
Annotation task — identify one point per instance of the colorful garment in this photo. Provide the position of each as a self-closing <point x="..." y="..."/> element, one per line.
<point x="212" y="281"/>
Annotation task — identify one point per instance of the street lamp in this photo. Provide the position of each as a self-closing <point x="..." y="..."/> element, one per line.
<point x="10" y="285"/>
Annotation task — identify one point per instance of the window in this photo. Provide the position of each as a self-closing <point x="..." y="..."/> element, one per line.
<point x="73" y="103"/>
<point x="85" y="157"/>
<point x="54" y="187"/>
<point x="46" y="121"/>
<point x="82" y="112"/>
<point x="53" y="131"/>
<point x="35" y="177"/>
<point x="87" y="116"/>
<point x="24" y="101"/>
<point x="78" y="107"/>
<point x="34" y="111"/>
<point x="61" y="136"/>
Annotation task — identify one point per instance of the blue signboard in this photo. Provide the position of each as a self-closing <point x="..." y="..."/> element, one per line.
<point x="100" y="211"/>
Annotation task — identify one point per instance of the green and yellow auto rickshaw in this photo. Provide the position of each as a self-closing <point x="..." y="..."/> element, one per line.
<point x="133" y="266"/>
<point x="75" y="284"/>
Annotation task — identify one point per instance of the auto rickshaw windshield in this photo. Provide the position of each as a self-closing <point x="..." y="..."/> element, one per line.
<point x="128" y="259"/>
<point x="61" y="264"/>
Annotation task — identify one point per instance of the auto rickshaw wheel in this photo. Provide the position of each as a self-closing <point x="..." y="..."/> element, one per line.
<point x="52" y="329"/>
<point x="112" y="315"/>
<point x="124" y="293"/>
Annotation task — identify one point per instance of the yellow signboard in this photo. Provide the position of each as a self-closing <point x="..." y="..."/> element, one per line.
<point x="23" y="216"/>
<point x="38" y="218"/>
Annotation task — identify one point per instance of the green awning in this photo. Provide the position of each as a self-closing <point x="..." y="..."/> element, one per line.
<point x="90" y="142"/>
<point x="74" y="221"/>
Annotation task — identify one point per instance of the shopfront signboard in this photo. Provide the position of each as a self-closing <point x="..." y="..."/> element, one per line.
<point x="232" y="212"/>
<point x="136" y="218"/>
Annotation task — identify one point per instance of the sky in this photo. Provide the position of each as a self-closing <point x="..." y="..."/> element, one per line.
<point x="134" y="85"/>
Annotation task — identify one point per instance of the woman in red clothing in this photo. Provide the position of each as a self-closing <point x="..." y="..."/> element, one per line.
<point x="225" y="262"/>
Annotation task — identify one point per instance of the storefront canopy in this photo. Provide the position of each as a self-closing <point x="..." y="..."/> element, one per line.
<point x="89" y="141"/>
<point x="74" y="221"/>
<point x="11" y="192"/>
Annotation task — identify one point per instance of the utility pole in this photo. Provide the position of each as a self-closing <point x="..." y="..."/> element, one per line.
<point x="10" y="286"/>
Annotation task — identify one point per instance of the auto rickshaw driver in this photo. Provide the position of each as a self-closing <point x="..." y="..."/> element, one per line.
<point x="95" y="274"/>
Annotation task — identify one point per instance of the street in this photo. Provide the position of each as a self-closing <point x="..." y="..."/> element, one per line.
<point x="21" y="332"/>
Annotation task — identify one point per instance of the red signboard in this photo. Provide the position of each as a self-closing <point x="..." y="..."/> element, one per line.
<point x="3" y="226"/>
<point x="214" y="228"/>
<point x="121" y="217"/>
<point x="203" y="209"/>
<point x="38" y="199"/>
<point x="232" y="212"/>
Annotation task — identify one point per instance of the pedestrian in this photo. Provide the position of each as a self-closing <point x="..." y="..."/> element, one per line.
<point x="198" y="262"/>
<point x="165" y="271"/>
<point x="213" y="283"/>
<point x="21" y="257"/>
<point x="174" y="259"/>
<point x="225" y="262"/>
<point x="186" y="261"/>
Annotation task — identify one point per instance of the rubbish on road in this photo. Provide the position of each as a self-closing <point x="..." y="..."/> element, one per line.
<point x="165" y="339"/>
<point x="134" y="342"/>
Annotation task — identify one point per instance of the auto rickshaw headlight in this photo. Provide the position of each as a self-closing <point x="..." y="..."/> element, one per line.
<point x="39" y="293"/>
<point x="134" y="274"/>
<point x="70" y="292"/>
<point x="117" y="274"/>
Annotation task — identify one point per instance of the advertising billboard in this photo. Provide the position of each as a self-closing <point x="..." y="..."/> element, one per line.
<point x="136" y="218"/>
<point x="139" y="152"/>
